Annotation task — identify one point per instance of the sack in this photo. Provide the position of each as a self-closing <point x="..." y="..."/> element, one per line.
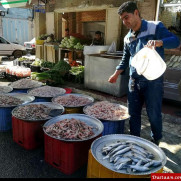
<point x="149" y="63"/>
<point x="112" y="48"/>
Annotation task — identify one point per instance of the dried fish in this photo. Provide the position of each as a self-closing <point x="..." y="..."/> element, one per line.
<point x="6" y="100"/>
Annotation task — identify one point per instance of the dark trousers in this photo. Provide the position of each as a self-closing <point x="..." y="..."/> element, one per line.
<point x="151" y="93"/>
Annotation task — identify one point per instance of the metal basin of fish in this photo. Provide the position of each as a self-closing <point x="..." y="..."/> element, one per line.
<point x="90" y="99"/>
<point x="59" y="91"/>
<point x="47" y="104"/>
<point x="22" y="96"/>
<point x="120" y="119"/>
<point x="33" y="84"/>
<point x="90" y="121"/>
<point x="5" y="89"/>
<point x="98" y="144"/>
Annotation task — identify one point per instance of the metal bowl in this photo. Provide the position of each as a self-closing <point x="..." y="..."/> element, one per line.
<point x="61" y="91"/>
<point x="38" y="84"/>
<point x="84" y="110"/>
<point x="5" y="89"/>
<point x="79" y="95"/>
<point x="95" y="123"/>
<point x="99" y="143"/>
<point x="48" y="104"/>
<point x="22" y="96"/>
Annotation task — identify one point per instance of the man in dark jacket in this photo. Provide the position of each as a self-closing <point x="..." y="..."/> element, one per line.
<point x="98" y="40"/>
<point x="141" y="90"/>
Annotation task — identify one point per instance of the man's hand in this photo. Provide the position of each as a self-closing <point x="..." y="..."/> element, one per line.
<point x="113" y="78"/>
<point x="154" y="43"/>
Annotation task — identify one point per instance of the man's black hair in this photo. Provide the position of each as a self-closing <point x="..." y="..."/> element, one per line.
<point x="98" y="32"/>
<point x="128" y="7"/>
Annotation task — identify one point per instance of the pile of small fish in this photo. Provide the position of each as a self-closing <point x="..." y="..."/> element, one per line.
<point x="5" y="89"/>
<point x="72" y="100"/>
<point x="46" y="91"/>
<point x="6" y="100"/>
<point x="70" y="129"/>
<point x="173" y="62"/>
<point x="32" y="112"/>
<point x="107" y="111"/>
<point x="25" y="84"/>
<point x="129" y="156"/>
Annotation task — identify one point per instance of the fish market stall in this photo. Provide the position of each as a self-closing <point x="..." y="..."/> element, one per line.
<point x="124" y="156"/>
<point x="7" y="103"/>
<point x="27" y="123"/>
<point x="68" y="150"/>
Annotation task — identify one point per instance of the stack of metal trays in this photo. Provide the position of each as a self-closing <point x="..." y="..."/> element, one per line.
<point x="98" y="144"/>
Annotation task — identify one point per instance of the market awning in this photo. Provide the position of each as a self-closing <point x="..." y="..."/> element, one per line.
<point x="14" y="3"/>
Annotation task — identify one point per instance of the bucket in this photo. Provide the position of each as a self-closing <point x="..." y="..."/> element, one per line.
<point x="69" y="155"/>
<point x="96" y="170"/>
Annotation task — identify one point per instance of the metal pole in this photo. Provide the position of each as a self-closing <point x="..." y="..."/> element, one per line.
<point x="157" y="10"/>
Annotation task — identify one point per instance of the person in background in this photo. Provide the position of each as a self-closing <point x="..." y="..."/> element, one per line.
<point x="141" y="90"/>
<point x="98" y="40"/>
<point x="67" y="34"/>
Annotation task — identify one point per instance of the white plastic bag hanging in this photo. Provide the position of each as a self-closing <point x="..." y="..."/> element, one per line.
<point x="149" y="63"/>
<point x="112" y="48"/>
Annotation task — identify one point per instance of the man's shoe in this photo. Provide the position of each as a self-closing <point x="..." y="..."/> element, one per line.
<point x="157" y="142"/>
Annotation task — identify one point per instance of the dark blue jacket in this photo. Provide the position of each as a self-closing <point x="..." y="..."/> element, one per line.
<point x="150" y="30"/>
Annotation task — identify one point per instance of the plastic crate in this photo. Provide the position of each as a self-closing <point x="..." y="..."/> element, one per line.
<point x="40" y="42"/>
<point x="29" y="135"/>
<point x="19" y="90"/>
<point x="42" y="99"/>
<point x="66" y="156"/>
<point x="5" y="118"/>
<point x="97" y="170"/>
<point x="113" y="127"/>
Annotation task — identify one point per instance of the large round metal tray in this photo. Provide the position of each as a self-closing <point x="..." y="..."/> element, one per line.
<point x="95" y="123"/>
<point x="99" y="143"/>
<point x="79" y="95"/>
<point x="38" y="84"/>
<point x="62" y="91"/>
<point x="48" y="104"/>
<point x="84" y="111"/>
<point x="23" y="96"/>
<point x="5" y="89"/>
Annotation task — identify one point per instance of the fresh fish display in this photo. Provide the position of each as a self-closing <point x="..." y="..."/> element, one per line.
<point x="46" y="91"/>
<point x="107" y="111"/>
<point x="70" y="129"/>
<point x="72" y="100"/>
<point x="32" y="112"/>
<point x="25" y="84"/>
<point x="173" y="62"/>
<point x="130" y="156"/>
<point x="6" y="100"/>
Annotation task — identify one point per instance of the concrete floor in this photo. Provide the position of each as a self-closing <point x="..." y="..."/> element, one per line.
<point x="17" y="162"/>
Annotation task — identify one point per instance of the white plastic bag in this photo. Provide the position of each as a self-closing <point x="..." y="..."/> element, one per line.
<point x="149" y="63"/>
<point x="112" y="48"/>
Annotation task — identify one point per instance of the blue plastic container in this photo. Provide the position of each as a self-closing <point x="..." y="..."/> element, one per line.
<point x="19" y="90"/>
<point x="6" y="118"/>
<point x="42" y="99"/>
<point x="113" y="127"/>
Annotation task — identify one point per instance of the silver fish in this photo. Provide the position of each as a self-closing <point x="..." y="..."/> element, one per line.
<point x="122" y="151"/>
<point x="154" y="163"/>
<point x="139" y="168"/>
<point x="122" y="160"/>
<point x="138" y="152"/>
